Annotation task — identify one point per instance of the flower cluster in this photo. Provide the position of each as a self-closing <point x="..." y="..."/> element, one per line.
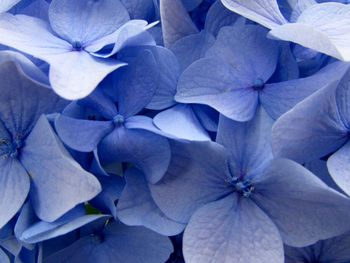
<point x="174" y="131"/>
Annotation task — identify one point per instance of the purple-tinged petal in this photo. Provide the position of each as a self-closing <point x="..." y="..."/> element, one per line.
<point x="58" y="182"/>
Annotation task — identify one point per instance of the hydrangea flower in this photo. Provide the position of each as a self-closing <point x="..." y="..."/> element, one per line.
<point x="33" y="160"/>
<point x="73" y="44"/>
<point x="115" y="129"/>
<point x="245" y="207"/>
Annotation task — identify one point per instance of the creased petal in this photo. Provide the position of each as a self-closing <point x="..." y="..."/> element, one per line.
<point x="58" y="182"/>
<point x="231" y="230"/>
<point x="304" y="209"/>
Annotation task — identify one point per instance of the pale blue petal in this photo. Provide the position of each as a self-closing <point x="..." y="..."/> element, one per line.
<point x="139" y="9"/>
<point x="82" y="135"/>
<point x="58" y="182"/>
<point x="192" y="180"/>
<point x="232" y="230"/>
<point x="85" y="21"/>
<point x="248" y="143"/>
<point x="339" y="167"/>
<point x="181" y="122"/>
<point x="191" y="48"/>
<point x="322" y="27"/>
<point x="74" y="75"/>
<point x="311" y="130"/>
<point x="137" y="208"/>
<point x="148" y="151"/>
<point x="6" y="5"/>
<point x="304" y="209"/>
<point x="264" y="12"/>
<point x="17" y="32"/>
<point x="14" y="184"/>
<point x="176" y="22"/>
<point x="214" y="83"/>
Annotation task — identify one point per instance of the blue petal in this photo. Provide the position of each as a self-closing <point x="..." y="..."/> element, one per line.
<point x="287" y="190"/>
<point x="207" y="116"/>
<point x="139" y="9"/>
<point x="14" y="183"/>
<point x="74" y="75"/>
<point x="248" y="143"/>
<point x="112" y="187"/>
<point x="58" y="182"/>
<point x="339" y="167"/>
<point x="181" y="122"/>
<point x="148" y="151"/>
<point x="278" y="98"/>
<point x="137" y="208"/>
<point x="191" y="4"/>
<point x="137" y="84"/>
<point x="322" y="27"/>
<point x="23" y="100"/>
<point x="247" y="50"/>
<point x="312" y="129"/>
<point x="82" y="135"/>
<point x="91" y="23"/>
<point x="191" y="48"/>
<point x="121" y="244"/>
<point x="17" y="32"/>
<point x="193" y="179"/>
<point x="234" y="229"/>
<point x="3" y="257"/>
<point x="214" y="83"/>
<point x="217" y="17"/>
<point x="264" y="12"/>
<point x="6" y="5"/>
<point x="176" y="22"/>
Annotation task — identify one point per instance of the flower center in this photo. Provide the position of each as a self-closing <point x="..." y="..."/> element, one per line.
<point x="118" y="120"/>
<point x="244" y="187"/>
<point x="77" y="46"/>
<point x="258" y="85"/>
<point x="9" y="149"/>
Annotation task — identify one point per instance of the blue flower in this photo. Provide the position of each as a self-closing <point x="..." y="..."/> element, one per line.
<point x="245" y="207"/>
<point x="119" y="132"/>
<point x="73" y="44"/>
<point x="33" y="161"/>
